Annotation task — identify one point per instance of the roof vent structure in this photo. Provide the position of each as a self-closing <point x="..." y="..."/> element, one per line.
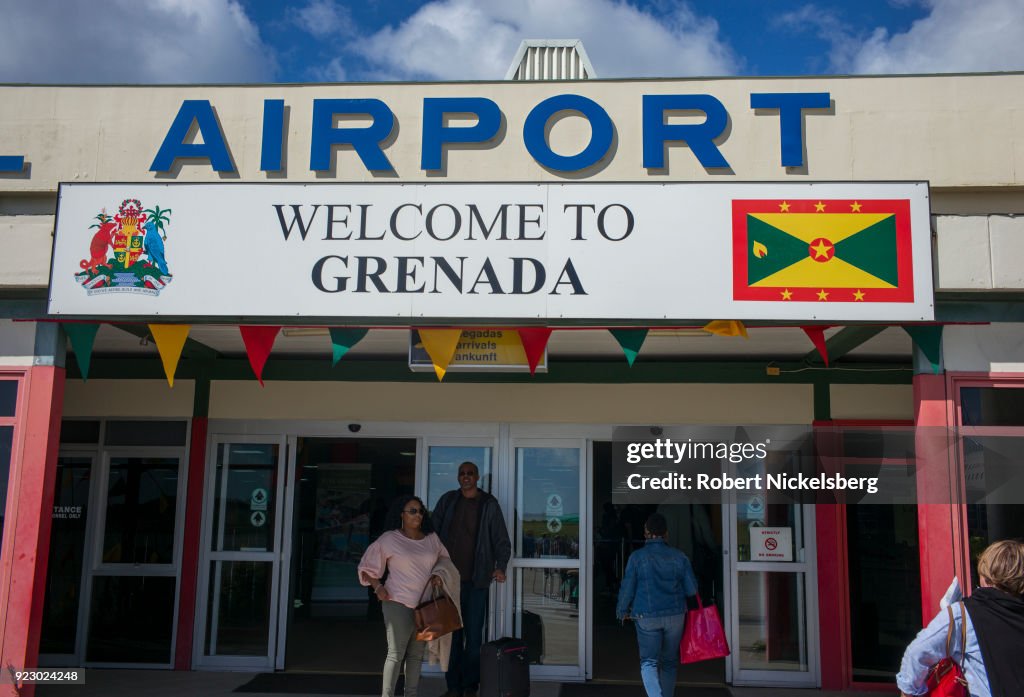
<point x="551" y="59"/>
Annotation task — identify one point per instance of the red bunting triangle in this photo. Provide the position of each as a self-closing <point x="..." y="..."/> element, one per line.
<point x="817" y="336"/>
<point x="535" y="340"/>
<point x="258" y="342"/>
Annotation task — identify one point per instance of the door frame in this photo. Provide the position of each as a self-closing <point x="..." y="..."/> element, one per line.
<point x="581" y="564"/>
<point x="78" y="654"/>
<point x="95" y="527"/>
<point x="808" y="567"/>
<point x="208" y="555"/>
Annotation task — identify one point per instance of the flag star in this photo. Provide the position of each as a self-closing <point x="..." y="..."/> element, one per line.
<point x="858" y="294"/>
<point x="784" y="207"/>
<point x="822" y="295"/>
<point x="787" y="294"/>
<point x="855" y="207"/>
<point x="819" y="207"/>
<point x="821" y="250"/>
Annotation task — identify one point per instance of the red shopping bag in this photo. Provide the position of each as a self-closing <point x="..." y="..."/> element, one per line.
<point x="704" y="635"/>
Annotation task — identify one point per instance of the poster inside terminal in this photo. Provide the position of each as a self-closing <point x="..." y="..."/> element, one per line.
<point x="784" y="464"/>
<point x="551" y="252"/>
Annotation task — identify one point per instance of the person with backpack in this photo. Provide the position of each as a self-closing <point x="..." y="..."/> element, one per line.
<point x="987" y="636"/>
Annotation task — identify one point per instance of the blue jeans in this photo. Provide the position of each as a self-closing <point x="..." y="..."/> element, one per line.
<point x="659" y="639"/>
<point x="464" y="664"/>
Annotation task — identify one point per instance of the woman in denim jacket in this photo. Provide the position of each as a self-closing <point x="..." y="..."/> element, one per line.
<point x="659" y="579"/>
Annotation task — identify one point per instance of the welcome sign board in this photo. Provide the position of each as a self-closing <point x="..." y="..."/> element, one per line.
<point x="555" y="252"/>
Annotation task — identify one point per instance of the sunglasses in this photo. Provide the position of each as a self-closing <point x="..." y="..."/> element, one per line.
<point x="415" y="511"/>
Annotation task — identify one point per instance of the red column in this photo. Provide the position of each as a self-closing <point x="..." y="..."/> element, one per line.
<point x="833" y="603"/>
<point x="191" y="544"/>
<point x="833" y="593"/>
<point x="940" y="521"/>
<point x="23" y="573"/>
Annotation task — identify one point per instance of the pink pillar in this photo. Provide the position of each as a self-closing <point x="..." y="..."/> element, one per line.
<point x="941" y="522"/>
<point x="27" y="528"/>
<point x="190" y="545"/>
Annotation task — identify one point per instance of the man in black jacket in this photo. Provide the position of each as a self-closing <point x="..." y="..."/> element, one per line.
<point x="471" y="526"/>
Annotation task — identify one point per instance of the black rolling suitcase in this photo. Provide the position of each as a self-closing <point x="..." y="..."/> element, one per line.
<point x="504" y="669"/>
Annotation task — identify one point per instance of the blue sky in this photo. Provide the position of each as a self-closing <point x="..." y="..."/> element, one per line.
<point x="196" y="41"/>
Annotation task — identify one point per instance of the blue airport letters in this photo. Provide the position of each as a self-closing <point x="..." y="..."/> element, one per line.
<point x="436" y="134"/>
<point x="369" y="141"/>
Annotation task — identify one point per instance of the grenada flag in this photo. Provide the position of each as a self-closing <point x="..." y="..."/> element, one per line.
<point x="824" y="250"/>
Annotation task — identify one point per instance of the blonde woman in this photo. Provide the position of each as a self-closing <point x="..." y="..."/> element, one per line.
<point x="994" y="621"/>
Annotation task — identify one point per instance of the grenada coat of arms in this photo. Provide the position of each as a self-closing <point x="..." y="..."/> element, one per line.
<point x="135" y="237"/>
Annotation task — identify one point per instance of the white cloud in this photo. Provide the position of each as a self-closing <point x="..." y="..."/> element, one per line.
<point x="324" y="18"/>
<point x="131" y="41"/>
<point x="955" y="36"/>
<point x="477" y="39"/>
<point x="334" y="71"/>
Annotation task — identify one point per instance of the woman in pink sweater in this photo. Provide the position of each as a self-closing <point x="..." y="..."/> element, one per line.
<point x="408" y="550"/>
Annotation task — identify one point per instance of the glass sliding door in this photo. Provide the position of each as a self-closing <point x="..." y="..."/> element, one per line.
<point x="58" y="642"/>
<point x="136" y="549"/>
<point x="240" y="567"/>
<point x="546" y="579"/>
<point x="773" y="596"/>
<point x="344" y="488"/>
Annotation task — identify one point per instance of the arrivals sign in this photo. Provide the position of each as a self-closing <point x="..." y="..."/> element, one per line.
<point x="479" y="350"/>
<point x="416" y="253"/>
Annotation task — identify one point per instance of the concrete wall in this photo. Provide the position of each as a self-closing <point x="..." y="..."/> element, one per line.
<point x="872" y="402"/>
<point x="992" y="348"/>
<point x="954" y="131"/>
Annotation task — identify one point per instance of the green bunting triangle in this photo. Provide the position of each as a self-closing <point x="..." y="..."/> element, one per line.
<point x="82" y="336"/>
<point x="344" y="339"/>
<point x="630" y="340"/>
<point x="928" y="338"/>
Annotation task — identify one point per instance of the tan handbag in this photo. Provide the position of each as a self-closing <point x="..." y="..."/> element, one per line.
<point x="437" y="616"/>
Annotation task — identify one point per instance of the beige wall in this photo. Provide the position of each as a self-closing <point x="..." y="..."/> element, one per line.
<point x="128" y="398"/>
<point x="872" y="402"/>
<point x="599" y="404"/>
<point x="985" y="348"/>
<point x="954" y="131"/>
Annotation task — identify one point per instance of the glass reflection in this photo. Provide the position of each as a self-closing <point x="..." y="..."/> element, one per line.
<point x="547" y="511"/>
<point x="248" y="524"/>
<point x="131" y="619"/>
<point x="772" y="631"/>
<point x="67" y="548"/>
<point x="443" y="467"/>
<point x="142" y="501"/>
<point x="238" y="621"/>
<point x="547" y="614"/>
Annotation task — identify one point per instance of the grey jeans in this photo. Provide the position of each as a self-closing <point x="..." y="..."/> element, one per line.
<point x="400" y="627"/>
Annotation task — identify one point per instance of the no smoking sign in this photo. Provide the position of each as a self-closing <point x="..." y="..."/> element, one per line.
<point x="771" y="544"/>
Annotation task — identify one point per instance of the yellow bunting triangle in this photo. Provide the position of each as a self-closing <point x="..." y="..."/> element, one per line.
<point x="726" y="327"/>
<point x="440" y="345"/>
<point x="170" y="340"/>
